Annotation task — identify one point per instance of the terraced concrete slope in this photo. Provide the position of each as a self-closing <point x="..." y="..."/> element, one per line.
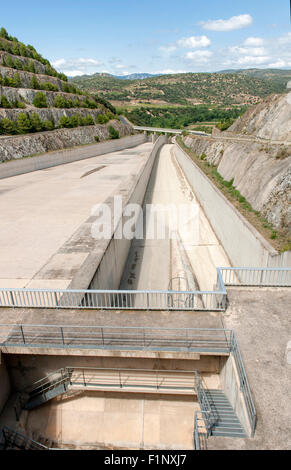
<point x="35" y="98"/>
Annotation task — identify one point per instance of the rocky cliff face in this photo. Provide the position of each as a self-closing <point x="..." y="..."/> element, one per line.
<point x="261" y="170"/>
<point x="270" y="119"/>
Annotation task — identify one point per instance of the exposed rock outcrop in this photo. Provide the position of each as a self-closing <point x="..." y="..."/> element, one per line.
<point x="270" y="119"/>
<point x="263" y="179"/>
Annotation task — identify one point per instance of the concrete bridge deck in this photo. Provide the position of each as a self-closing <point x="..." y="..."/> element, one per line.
<point x="41" y="211"/>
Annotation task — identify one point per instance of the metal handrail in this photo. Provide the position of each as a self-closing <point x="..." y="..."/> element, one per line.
<point x="125" y="338"/>
<point x="147" y="300"/>
<point x="16" y="438"/>
<point x="244" y="383"/>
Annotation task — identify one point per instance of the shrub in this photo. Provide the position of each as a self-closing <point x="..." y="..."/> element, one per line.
<point x="59" y="102"/>
<point x="48" y="125"/>
<point x="36" y="123"/>
<point x="74" y="121"/>
<point x="34" y="83"/>
<point x="23" y="124"/>
<point x="64" y="122"/>
<point x="40" y="100"/>
<point x="3" y="33"/>
<point x="4" y="103"/>
<point x="88" y="121"/>
<point x="97" y="138"/>
<point x="113" y="133"/>
<point x="7" y="126"/>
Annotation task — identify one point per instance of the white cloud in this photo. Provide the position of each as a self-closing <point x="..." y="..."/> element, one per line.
<point x="168" y="49"/>
<point x="250" y="60"/>
<point x="278" y="64"/>
<point x="285" y="39"/>
<point x="193" y="42"/>
<point x="236" y="22"/>
<point x="198" y="56"/>
<point x="78" y="66"/>
<point x="253" y="51"/>
<point x="254" y="42"/>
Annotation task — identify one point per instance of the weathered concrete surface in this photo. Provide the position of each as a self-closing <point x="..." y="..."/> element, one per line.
<point x="114" y="256"/>
<point x="151" y="263"/>
<point x="107" y="420"/>
<point x="261" y="319"/>
<point x="113" y="318"/>
<point x="40" y="211"/>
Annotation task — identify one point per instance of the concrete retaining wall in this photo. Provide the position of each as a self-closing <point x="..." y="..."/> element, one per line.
<point x="231" y="386"/>
<point x="60" y="157"/>
<point x="110" y="270"/>
<point x="25" y="369"/>
<point x="4" y="384"/>
<point x="244" y="245"/>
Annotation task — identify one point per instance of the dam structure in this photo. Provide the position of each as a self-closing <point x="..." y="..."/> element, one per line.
<point x="145" y="341"/>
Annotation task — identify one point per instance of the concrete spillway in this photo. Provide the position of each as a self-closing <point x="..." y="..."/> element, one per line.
<point x="186" y="262"/>
<point x="46" y="236"/>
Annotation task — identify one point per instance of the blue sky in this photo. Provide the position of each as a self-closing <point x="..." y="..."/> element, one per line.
<point x="154" y="36"/>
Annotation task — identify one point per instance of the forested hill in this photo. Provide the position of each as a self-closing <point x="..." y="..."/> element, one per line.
<point x="224" y="89"/>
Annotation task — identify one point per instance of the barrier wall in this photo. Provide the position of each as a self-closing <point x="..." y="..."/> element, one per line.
<point x="243" y="244"/>
<point x="110" y="270"/>
<point x="60" y="157"/>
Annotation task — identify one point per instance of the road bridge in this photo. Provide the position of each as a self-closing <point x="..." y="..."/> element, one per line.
<point x="168" y="131"/>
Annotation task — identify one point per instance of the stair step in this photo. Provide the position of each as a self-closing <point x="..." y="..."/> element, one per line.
<point x="228" y="433"/>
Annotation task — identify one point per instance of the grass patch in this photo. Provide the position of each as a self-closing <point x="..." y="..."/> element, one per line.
<point x="277" y="238"/>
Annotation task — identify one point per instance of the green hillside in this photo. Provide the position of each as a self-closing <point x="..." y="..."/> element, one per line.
<point x="182" y="89"/>
<point x="34" y="97"/>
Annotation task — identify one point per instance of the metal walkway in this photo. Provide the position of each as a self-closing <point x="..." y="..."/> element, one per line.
<point x="110" y="380"/>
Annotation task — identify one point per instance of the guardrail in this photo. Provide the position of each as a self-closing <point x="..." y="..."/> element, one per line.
<point x="257" y="277"/>
<point x="148" y="300"/>
<point x="244" y="384"/>
<point x="217" y="341"/>
<point x="115" y="299"/>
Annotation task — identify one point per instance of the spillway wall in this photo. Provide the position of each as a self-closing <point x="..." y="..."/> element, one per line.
<point x="243" y="244"/>
<point x="61" y="157"/>
<point x="110" y="269"/>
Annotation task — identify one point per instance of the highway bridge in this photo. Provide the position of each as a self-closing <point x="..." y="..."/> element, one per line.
<point x="168" y="131"/>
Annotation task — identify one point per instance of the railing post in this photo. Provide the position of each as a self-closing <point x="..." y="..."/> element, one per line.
<point x="62" y="334"/>
<point x="22" y="334"/>
<point x="12" y="298"/>
<point x="120" y="383"/>
<point x="102" y="334"/>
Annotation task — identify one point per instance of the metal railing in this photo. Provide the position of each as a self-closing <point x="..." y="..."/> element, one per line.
<point x="123" y="379"/>
<point x="244" y="384"/>
<point x="257" y="277"/>
<point x="110" y="300"/>
<point x="216" y="341"/>
<point x="16" y="439"/>
<point x="148" y="300"/>
<point x="208" y="414"/>
<point x="200" y="432"/>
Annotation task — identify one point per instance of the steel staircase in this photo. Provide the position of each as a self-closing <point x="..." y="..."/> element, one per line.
<point x="226" y="421"/>
<point x="48" y="388"/>
<point x="216" y="416"/>
<point x="15" y="440"/>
